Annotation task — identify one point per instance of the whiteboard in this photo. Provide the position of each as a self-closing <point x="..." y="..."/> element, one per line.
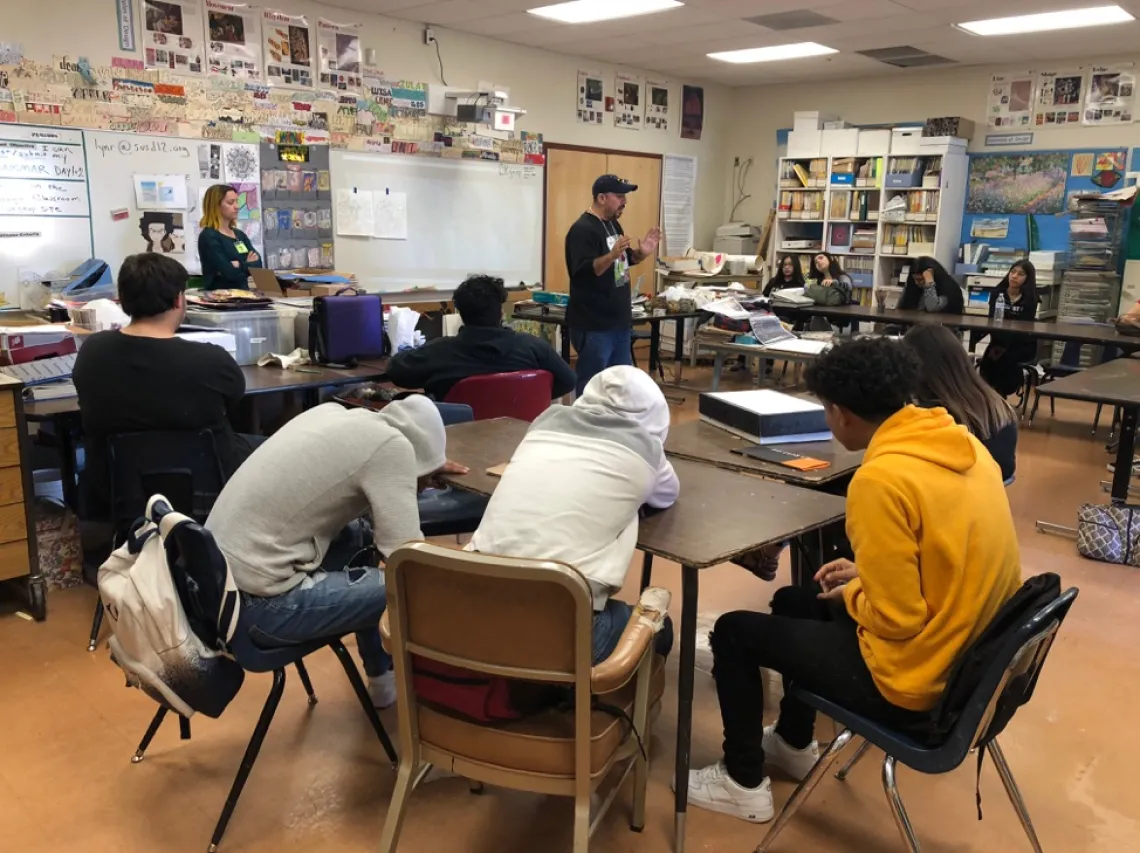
<point x="114" y="160"/>
<point x="463" y="217"/>
<point x="45" y="213"/>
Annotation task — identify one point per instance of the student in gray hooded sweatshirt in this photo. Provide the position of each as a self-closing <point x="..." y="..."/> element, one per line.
<point x="574" y="486"/>
<point x="287" y="523"/>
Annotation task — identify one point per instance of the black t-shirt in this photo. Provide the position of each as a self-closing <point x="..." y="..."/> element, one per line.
<point x="598" y="303"/>
<point x="127" y="383"/>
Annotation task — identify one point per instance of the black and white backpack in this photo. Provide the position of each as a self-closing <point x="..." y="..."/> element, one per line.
<point x="173" y="607"/>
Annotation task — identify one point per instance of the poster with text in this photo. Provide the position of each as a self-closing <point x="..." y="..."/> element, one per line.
<point x="1110" y="95"/>
<point x="1010" y="103"/>
<point x="172" y="35"/>
<point x="1058" y="99"/>
<point x="233" y="41"/>
<point x="657" y="105"/>
<point x="288" y="49"/>
<point x="593" y="99"/>
<point x="692" y="112"/>
<point x="629" y="110"/>
<point x="341" y="56"/>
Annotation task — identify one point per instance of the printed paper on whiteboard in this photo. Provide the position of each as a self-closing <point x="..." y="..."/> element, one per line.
<point x="630" y="104"/>
<point x="594" y="101"/>
<point x="341" y="56"/>
<point x="354" y="214"/>
<point x="172" y="35"/>
<point x="233" y="47"/>
<point x="160" y="192"/>
<point x="390" y="212"/>
<point x="288" y="49"/>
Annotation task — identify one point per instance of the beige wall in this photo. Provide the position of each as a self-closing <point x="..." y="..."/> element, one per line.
<point x="540" y="81"/>
<point x="758" y="112"/>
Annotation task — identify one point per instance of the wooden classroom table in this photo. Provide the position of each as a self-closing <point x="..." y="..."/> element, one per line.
<point x="1100" y="334"/>
<point x="555" y="315"/>
<point x="258" y="381"/>
<point x="1114" y="383"/>
<point x="719" y="516"/>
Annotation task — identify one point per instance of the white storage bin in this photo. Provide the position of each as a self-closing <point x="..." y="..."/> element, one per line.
<point x="874" y="142"/>
<point x="257" y="332"/>
<point x="804" y="143"/>
<point x="905" y="141"/>
<point x="810" y="120"/>
<point x="839" y="143"/>
<point x="933" y="145"/>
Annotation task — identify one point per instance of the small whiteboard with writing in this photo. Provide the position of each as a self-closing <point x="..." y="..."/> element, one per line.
<point x="460" y="217"/>
<point x="45" y="211"/>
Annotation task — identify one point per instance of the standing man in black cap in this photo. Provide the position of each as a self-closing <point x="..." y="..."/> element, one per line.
<point x="598" y="258"/>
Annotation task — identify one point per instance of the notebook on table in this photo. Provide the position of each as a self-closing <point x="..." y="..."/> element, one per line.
<point x="771" y="334"/>
<point x="786" y="458"/>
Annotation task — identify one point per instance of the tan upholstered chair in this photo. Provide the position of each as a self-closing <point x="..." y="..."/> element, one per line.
<point x="525" y="619"/>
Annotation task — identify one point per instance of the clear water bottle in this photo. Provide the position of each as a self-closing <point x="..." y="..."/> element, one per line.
<point x="999" y="307"/>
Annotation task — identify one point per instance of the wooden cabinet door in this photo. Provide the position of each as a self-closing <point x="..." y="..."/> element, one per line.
<point x="569" y="177"/>
<point x="642" y="208"/>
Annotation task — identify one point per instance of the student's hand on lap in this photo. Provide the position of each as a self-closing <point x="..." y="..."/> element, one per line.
<point x="833" y="576"/>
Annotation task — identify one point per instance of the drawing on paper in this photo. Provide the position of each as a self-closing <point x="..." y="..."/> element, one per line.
<point x="241" y="163"/>
<point x="163" y="232"/>
<point x="1017" y="183"/>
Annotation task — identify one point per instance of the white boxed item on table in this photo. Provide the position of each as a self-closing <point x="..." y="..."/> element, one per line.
<point x="765" y="416"/>
<point x="225" y="340"/>
<point x="737" y="238"/>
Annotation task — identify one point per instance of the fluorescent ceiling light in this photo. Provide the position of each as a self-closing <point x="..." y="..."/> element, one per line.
<point x="589" y="11"/>
<point x="1064" y="20"/>
<point x="774" y="53"/>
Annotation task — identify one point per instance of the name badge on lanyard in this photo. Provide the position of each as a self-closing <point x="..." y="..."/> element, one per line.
<point x="621" y="265"/>
<point x="241" y="248"/>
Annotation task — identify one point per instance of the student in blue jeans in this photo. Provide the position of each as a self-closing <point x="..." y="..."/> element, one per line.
<point x="598" y="258"/>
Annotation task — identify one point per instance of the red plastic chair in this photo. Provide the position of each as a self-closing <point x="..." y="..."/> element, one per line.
<point x="522" y="394"/>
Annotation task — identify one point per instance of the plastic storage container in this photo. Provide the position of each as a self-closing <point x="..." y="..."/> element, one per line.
<point x="257" y="332"/>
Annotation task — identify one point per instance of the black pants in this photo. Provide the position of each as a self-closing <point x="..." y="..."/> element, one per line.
<point x="812" y="643"/>
<point x="1003" y="373"/>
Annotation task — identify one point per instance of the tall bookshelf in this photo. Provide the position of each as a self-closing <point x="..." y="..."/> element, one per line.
<point x="836" y="204"/>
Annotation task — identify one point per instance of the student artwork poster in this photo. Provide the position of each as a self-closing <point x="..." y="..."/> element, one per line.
<point x="1010" y="103"/>
<point x="692" y="112"/>
<point x="630" y="107"/>
<point x="341" y="56"/>
<point x="172" y="35"/>
<point x="593" y="100"/>
<point x="1059" y="95"/>
<point x="233" y="41"/>
<point x="288" y="43"/>
<point x="1110" y="95"/>
<point x="163" y="232"/>
<point x="657" y="106"/>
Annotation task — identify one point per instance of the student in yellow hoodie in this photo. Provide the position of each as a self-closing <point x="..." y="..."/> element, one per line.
<point x="936" y="556"/>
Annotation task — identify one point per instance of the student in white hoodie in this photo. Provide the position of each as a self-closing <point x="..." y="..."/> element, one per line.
<point x="573" y="489"/>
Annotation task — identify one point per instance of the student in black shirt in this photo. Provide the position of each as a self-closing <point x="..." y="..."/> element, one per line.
<point x="949" y="380"/>
<point x="931" y="288"/>
<point x="598" y="258"/>
<point x="144" y="378"/>
<point x="1002" y="360"/>
<point x="482" y="346"/>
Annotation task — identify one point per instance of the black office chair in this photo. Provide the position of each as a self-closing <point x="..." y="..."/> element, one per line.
<point x="451" y="511"/>
<point x="1012" y="673"/>
<point x="1067" y="366"/>
<point x="182" y="465"/>
<point x="193" y="543"/>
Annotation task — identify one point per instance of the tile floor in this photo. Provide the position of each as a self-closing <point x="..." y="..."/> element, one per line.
<point x="68" y="728"/>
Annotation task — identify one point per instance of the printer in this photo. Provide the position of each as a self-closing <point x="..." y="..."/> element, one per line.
<point x="737" y="238"/>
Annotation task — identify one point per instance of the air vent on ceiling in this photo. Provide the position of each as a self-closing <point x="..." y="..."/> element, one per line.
<point x="905" y="56"/>
<point x="799" y="20"/>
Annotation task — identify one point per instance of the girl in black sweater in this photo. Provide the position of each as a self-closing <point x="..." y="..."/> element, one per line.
<point x="1001" y="363"/>
<point x="931" y="288"/>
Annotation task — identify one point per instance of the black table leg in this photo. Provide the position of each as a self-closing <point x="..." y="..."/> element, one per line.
<point x="67" y="462"/>
<point x="689" y="588"/>
<point x="646" y="571"/>
<point x="678" y="348"/>
<point x="564" y="334"/>
<point x="1125" y="448"/>
<point x="655" y="350"/>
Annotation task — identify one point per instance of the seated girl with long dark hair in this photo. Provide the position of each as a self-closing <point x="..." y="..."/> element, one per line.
<point x="931" y="288"/>
<point x="1002" y="360"/>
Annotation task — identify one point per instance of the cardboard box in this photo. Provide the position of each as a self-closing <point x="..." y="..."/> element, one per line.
<point x="949" y="126"/>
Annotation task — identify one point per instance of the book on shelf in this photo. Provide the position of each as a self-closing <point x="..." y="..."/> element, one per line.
<point x="802" y="174"/>
<point x="840" y="205"/>
<point x="922" y="204"/>
<point x="843" y="166"/>
<point x="870" y="171"/>
<point x="906" y="165"/>
<point x="863" y="238"/>
<point x="840" y="236"/>
<point x="859" y="264"/>
<point x="898" y="238"/>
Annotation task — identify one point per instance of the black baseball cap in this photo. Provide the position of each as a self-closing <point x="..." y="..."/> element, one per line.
<point x="612" y="184"/>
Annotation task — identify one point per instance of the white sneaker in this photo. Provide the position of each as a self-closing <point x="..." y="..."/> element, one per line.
<point x="382" y="689"/>
<point x="713" y="789"/>
<point x="797" y="763"/>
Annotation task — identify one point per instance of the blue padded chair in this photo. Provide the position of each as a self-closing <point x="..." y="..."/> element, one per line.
<point x="254" y="658"/>
<point x="1013" y="671"/>
<point x="451" y="511"/>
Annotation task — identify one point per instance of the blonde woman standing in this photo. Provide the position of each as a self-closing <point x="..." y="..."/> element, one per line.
<point x="226" y="252"/>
